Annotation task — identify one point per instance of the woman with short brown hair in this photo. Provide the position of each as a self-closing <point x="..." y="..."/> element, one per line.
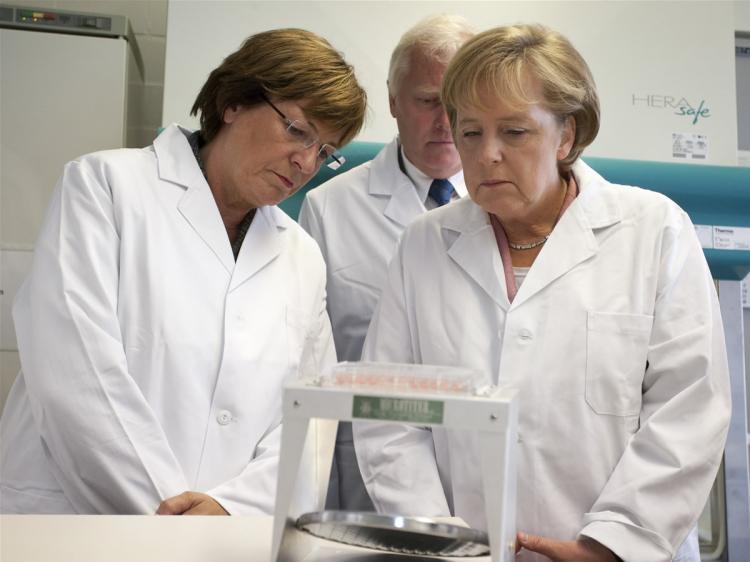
<point x="169" y="299"/>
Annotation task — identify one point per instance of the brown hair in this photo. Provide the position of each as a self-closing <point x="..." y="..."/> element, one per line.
<point x="290" y="64"/>
<point x="503" y="58"/>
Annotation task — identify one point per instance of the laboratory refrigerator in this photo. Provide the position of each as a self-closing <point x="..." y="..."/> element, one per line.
<point x="65" y="80"/>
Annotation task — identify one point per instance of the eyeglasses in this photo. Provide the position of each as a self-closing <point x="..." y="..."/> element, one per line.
<point x="301" y="133"/>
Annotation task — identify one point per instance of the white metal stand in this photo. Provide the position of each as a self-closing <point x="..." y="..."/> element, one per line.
<point x="494" y="417"/>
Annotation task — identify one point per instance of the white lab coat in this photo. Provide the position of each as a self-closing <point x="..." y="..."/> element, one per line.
<point x="152" y="363"/>
<point x="357" y="219"/>
<point x="615" y="343"/>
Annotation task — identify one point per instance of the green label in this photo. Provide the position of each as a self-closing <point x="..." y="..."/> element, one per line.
<point x="398" y="409"/>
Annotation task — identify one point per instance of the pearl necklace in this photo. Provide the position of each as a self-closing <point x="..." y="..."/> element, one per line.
<point x="528" y="246"/>
<point x="532" y="245"/>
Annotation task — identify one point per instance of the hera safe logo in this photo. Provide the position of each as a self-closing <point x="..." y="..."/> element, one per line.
<point x="679" y="105"/>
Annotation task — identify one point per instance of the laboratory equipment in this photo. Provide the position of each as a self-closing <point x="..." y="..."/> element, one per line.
<point x="395" y="533"/>
<point x="65" y="79"/>
<point x="421" y="395"/>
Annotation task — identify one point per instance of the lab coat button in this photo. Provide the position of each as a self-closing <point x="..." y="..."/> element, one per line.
<point x="525" y="334"/>
<point x="224" y="417"/>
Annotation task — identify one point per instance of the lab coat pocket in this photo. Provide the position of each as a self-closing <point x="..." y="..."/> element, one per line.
<point x="616" y="354"/>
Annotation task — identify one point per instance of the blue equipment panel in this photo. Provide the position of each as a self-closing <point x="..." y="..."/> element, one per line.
<point x="711" y="195"/>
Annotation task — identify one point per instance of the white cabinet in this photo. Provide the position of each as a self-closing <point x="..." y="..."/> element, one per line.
<point x="61" y="96"/>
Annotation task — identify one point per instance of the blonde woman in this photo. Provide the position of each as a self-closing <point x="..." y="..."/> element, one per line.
<point x="593" y="299"/>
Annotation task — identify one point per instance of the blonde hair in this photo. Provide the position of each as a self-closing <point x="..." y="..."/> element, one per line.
<point x="502" y="59"/>
<point x="289" y="64"/>
<point x="438" y="37"/>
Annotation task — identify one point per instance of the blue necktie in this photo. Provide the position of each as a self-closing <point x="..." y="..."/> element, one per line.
<point x="441" y="191"/>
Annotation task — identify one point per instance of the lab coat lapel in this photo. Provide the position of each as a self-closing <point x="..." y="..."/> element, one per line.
<point x="261" y="245"/>
<point x="571" y="243"/>
<point x="475" y="251"/>
<point x="404" y="205"/>
<point x="573" y="240"/>
<point x="177" y="165"/>
<point x="387" y="179"/>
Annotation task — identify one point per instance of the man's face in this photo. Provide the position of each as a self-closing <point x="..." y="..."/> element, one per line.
<point x="423" y="126"/>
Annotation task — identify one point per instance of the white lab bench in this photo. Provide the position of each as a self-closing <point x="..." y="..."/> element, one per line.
<point x="150" y="538"/>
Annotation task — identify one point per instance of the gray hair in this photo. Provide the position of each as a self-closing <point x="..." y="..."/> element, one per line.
<point x="438" y="37"/>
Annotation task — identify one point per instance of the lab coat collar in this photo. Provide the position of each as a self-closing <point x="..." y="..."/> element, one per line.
<point x="572" y="242"/>
<point x="600" y="204"/>
<point x="178" y="165"/>
<point x="175" y="159"/>
<point x="387" y="179"/>
<point x="469" y="236"/>
<point x="262" y="243"/>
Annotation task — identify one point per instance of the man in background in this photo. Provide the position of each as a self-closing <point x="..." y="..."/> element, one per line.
<point x="358" y="217"/>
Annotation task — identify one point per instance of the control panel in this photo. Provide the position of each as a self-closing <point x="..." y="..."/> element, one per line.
<point x="43" y="19"/>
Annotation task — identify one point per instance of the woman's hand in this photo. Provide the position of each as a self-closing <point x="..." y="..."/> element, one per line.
<point x="581" y="550"/>
<point x="191" y="503"/>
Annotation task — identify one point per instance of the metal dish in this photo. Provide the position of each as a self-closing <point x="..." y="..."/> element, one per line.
<point x="393" y="533"/>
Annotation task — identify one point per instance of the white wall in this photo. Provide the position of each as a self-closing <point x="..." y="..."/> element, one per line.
<point x="742" y="15"/>
<point x="641" y="54"/>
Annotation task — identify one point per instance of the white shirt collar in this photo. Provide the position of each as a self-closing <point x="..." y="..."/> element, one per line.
<point x="422" y="181"/>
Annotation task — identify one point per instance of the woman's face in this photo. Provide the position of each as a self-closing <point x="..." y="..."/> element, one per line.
<point x="510" y="156"/>
<point x="261" y="163"/>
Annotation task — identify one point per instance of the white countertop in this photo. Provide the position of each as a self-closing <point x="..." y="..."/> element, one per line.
<point x="149" y="538"/>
